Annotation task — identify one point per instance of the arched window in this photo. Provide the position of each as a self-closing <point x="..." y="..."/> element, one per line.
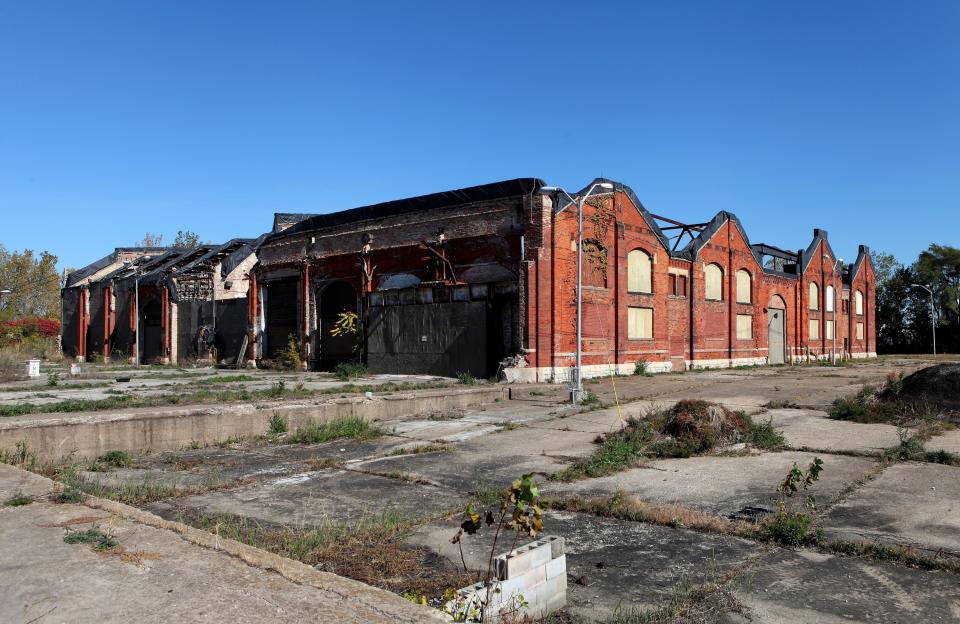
<point x="829" y="299"/>
<point x="814" y="296"/>
<point x="744" y="286"/>
<point x="858" y="302"/>
<point x="713" y="282"/>
<point x="594" y="264"/>
<point x="639" y="272"/>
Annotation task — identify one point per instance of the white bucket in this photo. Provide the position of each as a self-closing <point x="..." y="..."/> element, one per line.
<point x="33" y="368"/>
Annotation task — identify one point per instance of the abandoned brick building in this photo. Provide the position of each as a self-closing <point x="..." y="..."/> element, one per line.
<point x="483" y="280"/>
<point x="192" y="304"/>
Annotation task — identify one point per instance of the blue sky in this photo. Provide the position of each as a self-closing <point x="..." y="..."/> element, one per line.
<point x="121" y="117"/>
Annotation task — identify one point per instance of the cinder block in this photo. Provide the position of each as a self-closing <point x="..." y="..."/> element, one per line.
<point x="557" y="566"/>
<point x="524" y="584"/>
<point x="526" y="558"/>
<point x="558" y="545"/>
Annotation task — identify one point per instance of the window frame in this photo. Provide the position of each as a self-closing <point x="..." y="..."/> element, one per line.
<point x="749" y="300"/>
<point x="830" y="296"/>
<point x="811" y="324"/>
<point x="649" y="259"/>
<point x="814" y="299"/>
<point x="749" y="326"/>
<point x="630" y="335"/>
<point x="858" y="303"/>
<point x="706" y="283"/>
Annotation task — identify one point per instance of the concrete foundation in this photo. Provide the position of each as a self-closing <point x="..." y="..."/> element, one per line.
<point x="55" y="436"/>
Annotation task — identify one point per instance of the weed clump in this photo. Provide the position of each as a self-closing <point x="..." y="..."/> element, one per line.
<point x="352" y="427"/>
<point x="18" y="500"/>
<point x="116" y="459"/>
<point x="640" y="369"/>
<point x="278" y="424"/>
<point x="688" y="428"/>
<point x="466" y="378"/>
<point x="99" y="540"/>
<point x="345" y="371"/>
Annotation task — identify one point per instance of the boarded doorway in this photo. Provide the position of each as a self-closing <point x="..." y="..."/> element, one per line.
<point x="434" y="339"/>
<point x="776" y="326"/>
<point x="335" y="299"/>
<point x="282" y="315"/>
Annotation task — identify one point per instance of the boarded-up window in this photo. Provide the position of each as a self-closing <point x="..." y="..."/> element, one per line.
<point x="639" y="273"/>
<point x="713" y="282"/>
<point x="814" y="296"/>
<point x="594" y="264"/>
<point x="814" y="333"/>
<point x="639" y="323"/>
<point x="829" y="299"/>
<point x="744" y="327"/>
<point x="743" y="286"/>
<point x="859" y="331"/>
<point x="828" y="327"/>
<point x="858" y="299"/>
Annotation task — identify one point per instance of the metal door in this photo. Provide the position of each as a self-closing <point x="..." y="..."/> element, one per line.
<point x="775" y="332"/>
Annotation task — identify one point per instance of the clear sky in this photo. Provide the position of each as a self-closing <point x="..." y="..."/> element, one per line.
<point x="121" y="117"/>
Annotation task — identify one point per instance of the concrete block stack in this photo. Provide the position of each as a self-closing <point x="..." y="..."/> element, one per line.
<point x="529" y="580"/>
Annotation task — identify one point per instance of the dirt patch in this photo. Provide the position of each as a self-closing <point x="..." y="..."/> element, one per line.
<point x="937" y="385"/>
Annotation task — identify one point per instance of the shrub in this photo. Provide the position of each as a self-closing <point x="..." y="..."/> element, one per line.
<point x="640" y="368"/>
<point x="289" y="359"/>
<point x="763" y="435"/>
<point x="466" y="378"/>
<point x="53" y="378"/>
<point x="117" y="459"/>
<point x="345" y="371"/>
<point x="278" y="424"/>
<point x="790" y="528"/>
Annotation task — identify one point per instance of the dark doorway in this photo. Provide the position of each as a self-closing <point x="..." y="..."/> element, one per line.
<point x="152" y="343"/>
<point x="281" y="315"/>
<point x="335" y="299"/>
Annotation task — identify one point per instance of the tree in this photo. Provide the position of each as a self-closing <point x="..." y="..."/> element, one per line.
<point x="150" y="240"/>
<point x="903" y="311"/>
<point x="187" y="239"/>
<point x="34" y="284"/>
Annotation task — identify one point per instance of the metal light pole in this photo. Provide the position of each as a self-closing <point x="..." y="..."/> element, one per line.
<point x="577" y="390"/>
<point x="833" y="309"/>
<point x="933" y="315"/>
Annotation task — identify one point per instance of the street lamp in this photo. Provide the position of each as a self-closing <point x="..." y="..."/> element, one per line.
<point x="577" y="391"/>
<point x="933" y="315"/>
<point x="833" y="309"/>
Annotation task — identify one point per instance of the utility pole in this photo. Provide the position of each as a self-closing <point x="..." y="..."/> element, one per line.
<point x="576" y="392"/>
<point x="933" y="315"/>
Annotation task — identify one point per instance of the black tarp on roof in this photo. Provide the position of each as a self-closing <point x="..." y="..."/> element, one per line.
<point x="484" y="192"/>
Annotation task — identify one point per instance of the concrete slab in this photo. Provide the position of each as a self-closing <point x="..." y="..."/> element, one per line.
<point x="799" y="587"/>
<point x="948" y="441"/>
<point x="908" y="503"/>
<point x="157" y="575"/>
<point x="609" y="562"/>
<point x="318" y="497"/>
<point x="814" y="429"/>
<point x="721" y="485"/>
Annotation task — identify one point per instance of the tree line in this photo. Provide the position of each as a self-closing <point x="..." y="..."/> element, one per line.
<point x="904" y="323"/>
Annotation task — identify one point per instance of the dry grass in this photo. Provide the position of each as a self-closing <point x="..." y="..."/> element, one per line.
<point x="623" y="506"/>
<point x="369" y="549"/>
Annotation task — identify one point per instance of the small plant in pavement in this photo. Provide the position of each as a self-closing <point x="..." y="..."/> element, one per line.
<point x="791" y="527"/>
